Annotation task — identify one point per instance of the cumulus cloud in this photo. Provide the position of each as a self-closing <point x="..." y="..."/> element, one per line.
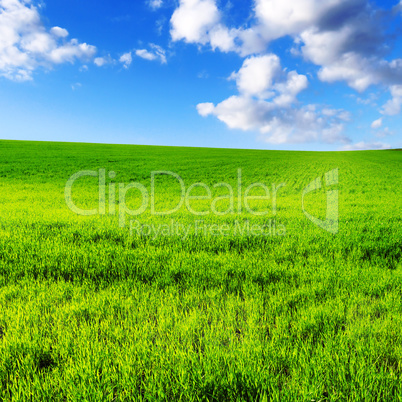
<point x="192" y="20"/>
<point x="327" y="49"/>
<point x="26" y="45"/>
<point x="289" y="89"/>
<point x="376" y="124"/>
<point x="280" y="18"/>
<point x="263" y="77"/>
<point x="347" y="39"/>
<point x="349" y="43"/>
<point x="59" y="32"/>
<point x="222" y="38"/>
<point x="267" y="103"/>
<point x="256" y="75"/>
<point x="103" y="61"/>
<point x="155" y="53"/>
<point x="100" y="61"/>
<point x="126" y="59"/>
<point x="145" y="54"/>
<point x="393" y="106"/>
<point x="205" y="109"/>
<point x="276" y="125"/>
<point x="198" y="21"/>
<point x="365" y="146"/>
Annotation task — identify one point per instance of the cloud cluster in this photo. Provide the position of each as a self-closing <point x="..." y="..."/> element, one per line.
<point x="349" y="45"/>
<point x="267" y="102"/>
<point x="199" y="21"/>
<point x="25" y="44"/>
<point x="153" y="53"/>
<point x="346" y="39"/>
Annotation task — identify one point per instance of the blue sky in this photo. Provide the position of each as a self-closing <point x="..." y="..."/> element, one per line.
<point x="265" y="74"/>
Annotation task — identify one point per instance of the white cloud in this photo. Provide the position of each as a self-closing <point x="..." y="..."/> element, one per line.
<point x="280" y="18"/>
<point x="343" y="115"/>
<point x="376" y="124"/>
<point x="145" y="54"/>
<point x="346" y="39"/>
<point x="276" y="125"/>
<point x="266" y="104"/>
<point x="155" y="4"/>
<point x="59" y="32"/>
<point x="239" y="112"/>
<point x="393" y="106"/>
<point x="156" y="53"/>
<point x="222" y="38"/>
<point x="256" y="75"/>
<point x="326" y="49"/>
<point x="160" y="25"/>
<point x="198" y="21"/>
<point x="252" y="41"/>
<point x="290" y="89"/>
<point x="365" y="146"/>
<point x="192" y="20"/>
<point x="205" y="109"/>
<point x="103" y="61"/>
<point x="263" y="77"/>
<point x="26" y="45"/>
<point x="99" y="61"/>
<point x="70" y="51"/>
<point x="126" y="59"/>
<point x="349" y="45"/>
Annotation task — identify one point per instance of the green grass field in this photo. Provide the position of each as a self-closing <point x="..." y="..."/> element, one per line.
<point x="91" y="311"/>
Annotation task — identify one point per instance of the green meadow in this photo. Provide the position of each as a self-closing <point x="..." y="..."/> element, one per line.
<point x="252" y="302"/>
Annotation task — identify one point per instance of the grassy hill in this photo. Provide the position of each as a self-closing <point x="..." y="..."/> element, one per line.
<point x="228" y="298"/>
